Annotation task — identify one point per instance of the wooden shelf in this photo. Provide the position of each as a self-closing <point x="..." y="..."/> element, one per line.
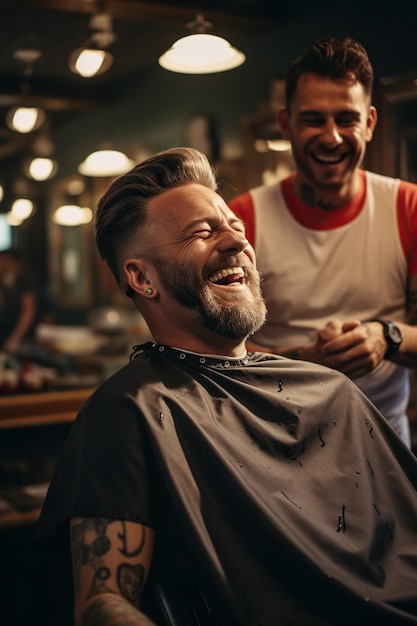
<point x="43" y="408"/>
<point x="14" y="518"/>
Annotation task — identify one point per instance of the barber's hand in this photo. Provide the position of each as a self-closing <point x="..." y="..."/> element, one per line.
<point x="352" y="347"/>
<point x="314" y="352"/>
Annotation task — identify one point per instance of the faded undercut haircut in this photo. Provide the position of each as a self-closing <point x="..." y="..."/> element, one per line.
<point x="122" y="211"/>
<point x="333" y="58"/>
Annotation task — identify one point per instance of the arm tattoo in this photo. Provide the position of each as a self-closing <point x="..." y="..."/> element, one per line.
<point x="123" y="537"/>
<point x="130" y="580"/>
<point x="90" y="543"/>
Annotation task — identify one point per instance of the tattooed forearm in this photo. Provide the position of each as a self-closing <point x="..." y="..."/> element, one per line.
<point x="112" y="609"/>
<point x="123" y="537"/>
<point x="88" y="544"/>
<point x="91" y="545"/>
<point x="131" y="580"/>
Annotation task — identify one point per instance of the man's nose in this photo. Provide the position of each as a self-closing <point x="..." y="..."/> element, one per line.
<point x="232" y="240"/>
<point x="330" y="133"/>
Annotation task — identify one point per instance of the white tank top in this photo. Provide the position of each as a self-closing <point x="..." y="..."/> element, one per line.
<point x="356" y="271"/>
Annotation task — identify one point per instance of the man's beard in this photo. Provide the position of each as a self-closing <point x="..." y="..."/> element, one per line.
<point x="245" y="314"/>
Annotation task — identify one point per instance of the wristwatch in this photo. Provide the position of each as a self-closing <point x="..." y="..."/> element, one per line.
<point x="392" y="336"/>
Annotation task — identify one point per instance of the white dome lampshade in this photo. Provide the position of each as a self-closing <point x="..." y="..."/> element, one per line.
<point x="42" y="168"/>
<point x="21" y="209"/>
<point x="25" y="119"/>
<point x="201" y="53"/>
<point x="72" y="215"/>
<point x="89" y="62"/>
<point x="105" y="163"/>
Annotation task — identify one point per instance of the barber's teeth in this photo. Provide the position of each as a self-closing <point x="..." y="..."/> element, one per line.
<point x="225" y="272"/>
<point x="327" y="158"/>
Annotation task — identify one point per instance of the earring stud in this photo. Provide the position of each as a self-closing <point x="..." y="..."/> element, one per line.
<point x="149" y="291"/>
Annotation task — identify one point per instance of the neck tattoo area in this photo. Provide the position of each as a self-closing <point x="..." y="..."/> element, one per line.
<point x="308" y="197"/>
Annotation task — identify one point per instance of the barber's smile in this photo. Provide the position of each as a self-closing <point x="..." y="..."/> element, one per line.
<point x="328" y="159"/>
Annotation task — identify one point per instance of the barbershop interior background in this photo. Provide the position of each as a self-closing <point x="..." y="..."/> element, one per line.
<point x="137" y="107"/>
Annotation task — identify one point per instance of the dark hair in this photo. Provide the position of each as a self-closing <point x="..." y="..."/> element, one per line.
<point x="335" y="58"/>
<point x="122" y="210"/>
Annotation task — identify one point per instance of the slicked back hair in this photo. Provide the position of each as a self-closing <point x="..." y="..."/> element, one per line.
<point x="334" y="58"/>
<point x="122" y="210"/>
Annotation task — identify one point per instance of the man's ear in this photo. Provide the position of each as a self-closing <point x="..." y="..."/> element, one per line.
<point x="138" y="276"/>
<point x="284" y="121"/>
<point x="371" y="122"/>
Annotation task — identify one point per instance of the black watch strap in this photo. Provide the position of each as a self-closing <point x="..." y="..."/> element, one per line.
<point x="392" y="336"/>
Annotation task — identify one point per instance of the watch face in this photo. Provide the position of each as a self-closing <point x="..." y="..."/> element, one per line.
<point x="395" y="333"/>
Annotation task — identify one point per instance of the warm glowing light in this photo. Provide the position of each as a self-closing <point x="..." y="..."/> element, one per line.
<point x="201" y="54"/>
<point x="25" y="119"/>
<point x="72" y="215"/>
<point x="105" y="163"/>
<point x="88" y="62"/>
<point x="41" y="168"/>
<point x="22" y="208"/>
<point x="12" y="220"/>
<point x="279" y="145"/>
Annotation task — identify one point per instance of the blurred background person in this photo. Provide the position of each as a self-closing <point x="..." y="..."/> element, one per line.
<point x="18" y="301"/>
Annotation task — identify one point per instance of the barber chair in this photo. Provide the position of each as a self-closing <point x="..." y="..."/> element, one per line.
<point x="175" y="602"/>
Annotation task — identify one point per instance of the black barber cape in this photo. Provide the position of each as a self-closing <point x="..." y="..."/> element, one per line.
<point x="273" y="483"/>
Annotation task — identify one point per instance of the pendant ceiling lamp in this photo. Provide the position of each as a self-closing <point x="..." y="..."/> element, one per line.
<point x="72" y="212"/>
<point x="105" y="163"/>
<point x="27" y="118"/>
<point x="41" y="166"/>
<point x="93" y="58"/>
<point x="72" y="215"/>
<point x="201" y="53"/>
<point x="21" y="209"/>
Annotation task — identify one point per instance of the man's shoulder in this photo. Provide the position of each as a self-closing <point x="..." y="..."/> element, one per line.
<point x="387" y="186"/>
<point x="126" y="380"/>
<point x="384" y="180"/>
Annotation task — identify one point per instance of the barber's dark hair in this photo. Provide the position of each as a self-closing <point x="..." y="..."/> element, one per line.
<point x="335" y="58"/>
<point x="123" y="208"/>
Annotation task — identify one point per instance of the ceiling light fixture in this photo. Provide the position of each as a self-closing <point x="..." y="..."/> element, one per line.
<point x="72" y="215"/>
<point x="278" y="145"/>
<point x="93" y="58"/>
<point x="26" y="119"/>
<point x="21" y="209"/>
<point x="200" y="53"/>
<point x="105" y="163"/>
<point x="42" y="168"/>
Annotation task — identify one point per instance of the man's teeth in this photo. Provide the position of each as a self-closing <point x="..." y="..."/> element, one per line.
<point x="327" y="158"/>
<point x="229" y="271"/>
